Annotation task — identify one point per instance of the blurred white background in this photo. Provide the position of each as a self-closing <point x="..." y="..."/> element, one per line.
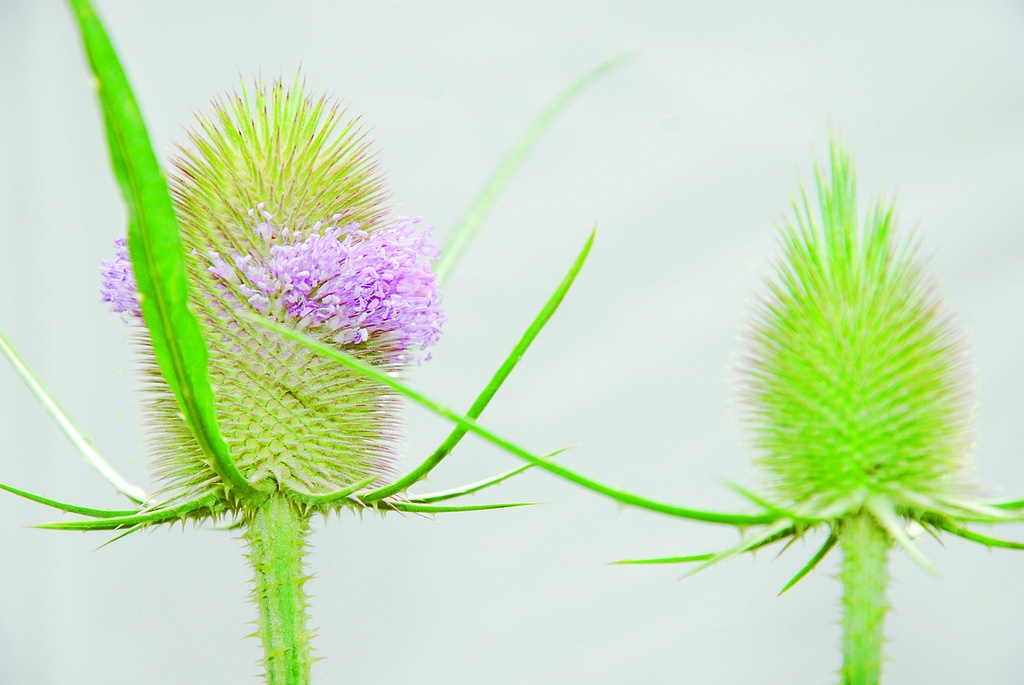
<point x="685" y="158"/>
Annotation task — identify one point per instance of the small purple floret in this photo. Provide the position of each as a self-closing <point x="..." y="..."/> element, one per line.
<point x="354" y="284"/>
<point x="119" y="287"/>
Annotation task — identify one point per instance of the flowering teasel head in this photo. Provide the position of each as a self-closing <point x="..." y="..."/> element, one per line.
<point x="283" y="219"/>
<point x="277" y="301"/>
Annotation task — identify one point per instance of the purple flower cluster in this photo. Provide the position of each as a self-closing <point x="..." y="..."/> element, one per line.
<point x="119" y="287"/>
<point x="352" y="284"/>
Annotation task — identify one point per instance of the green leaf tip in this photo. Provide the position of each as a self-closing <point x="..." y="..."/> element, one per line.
<point x="665" y="560"/>
<point x="829" y="545"/>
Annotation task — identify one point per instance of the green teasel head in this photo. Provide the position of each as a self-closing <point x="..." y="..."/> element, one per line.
<point x="282" y="214"/>
<point x="854" y="375"/>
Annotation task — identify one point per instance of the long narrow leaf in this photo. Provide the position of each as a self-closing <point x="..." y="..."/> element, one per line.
<point x="143" y="518"/>
<point x="69" y="508"/>
<point x="471" y="426"/>
<point x="156" y="251"/>
<point x="467" y="227"/>
<point x="67" y="426"/>
<point x="482" y="400"/>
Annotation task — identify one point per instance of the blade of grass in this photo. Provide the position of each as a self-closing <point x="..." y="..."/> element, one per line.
<point x="482" y="400"/>
<point x="538" y="461"/>
<point x="467" y="227"/>
<point x="156" y="252"/>
<point x="67" y="426"/>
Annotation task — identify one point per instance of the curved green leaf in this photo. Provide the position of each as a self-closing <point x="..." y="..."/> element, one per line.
<point x="484" y="398"/>
<point x="69" y="508"/>
<point x="156" y="252"/>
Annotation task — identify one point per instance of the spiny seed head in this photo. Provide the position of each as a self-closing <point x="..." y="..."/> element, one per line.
<point x="853" y="376"/>
<point x="281" y="213"/>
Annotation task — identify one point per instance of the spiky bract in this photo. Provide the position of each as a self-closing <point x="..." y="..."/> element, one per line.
<point x="854" y="373"/>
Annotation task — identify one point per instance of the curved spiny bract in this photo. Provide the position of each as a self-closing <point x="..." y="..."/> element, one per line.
<point x="854" y="376"/>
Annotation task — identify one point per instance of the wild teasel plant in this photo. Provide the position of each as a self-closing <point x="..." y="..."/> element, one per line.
<point x="857" y="399"/>
<point x="275" y="216"/>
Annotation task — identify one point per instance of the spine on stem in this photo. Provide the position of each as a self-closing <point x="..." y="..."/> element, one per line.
<point x="865" y="576"/>
<point x="276" y="534"/>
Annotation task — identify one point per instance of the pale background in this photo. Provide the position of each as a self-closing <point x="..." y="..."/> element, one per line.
<point x="685" y="158"/>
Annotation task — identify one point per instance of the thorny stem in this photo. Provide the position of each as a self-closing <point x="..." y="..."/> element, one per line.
<point x="864" y="575"/>
<point x="276" y="535"/>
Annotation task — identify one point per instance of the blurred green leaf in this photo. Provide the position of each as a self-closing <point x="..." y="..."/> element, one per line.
<point x="469" y="224"/>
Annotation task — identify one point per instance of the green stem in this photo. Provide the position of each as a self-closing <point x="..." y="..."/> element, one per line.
<point x="865" y="548"/>
<point x="276" y="534"/>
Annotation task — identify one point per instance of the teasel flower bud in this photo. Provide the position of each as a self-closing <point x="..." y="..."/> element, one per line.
<point x="854" y="375"/>
<point x="283" y="216"/>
